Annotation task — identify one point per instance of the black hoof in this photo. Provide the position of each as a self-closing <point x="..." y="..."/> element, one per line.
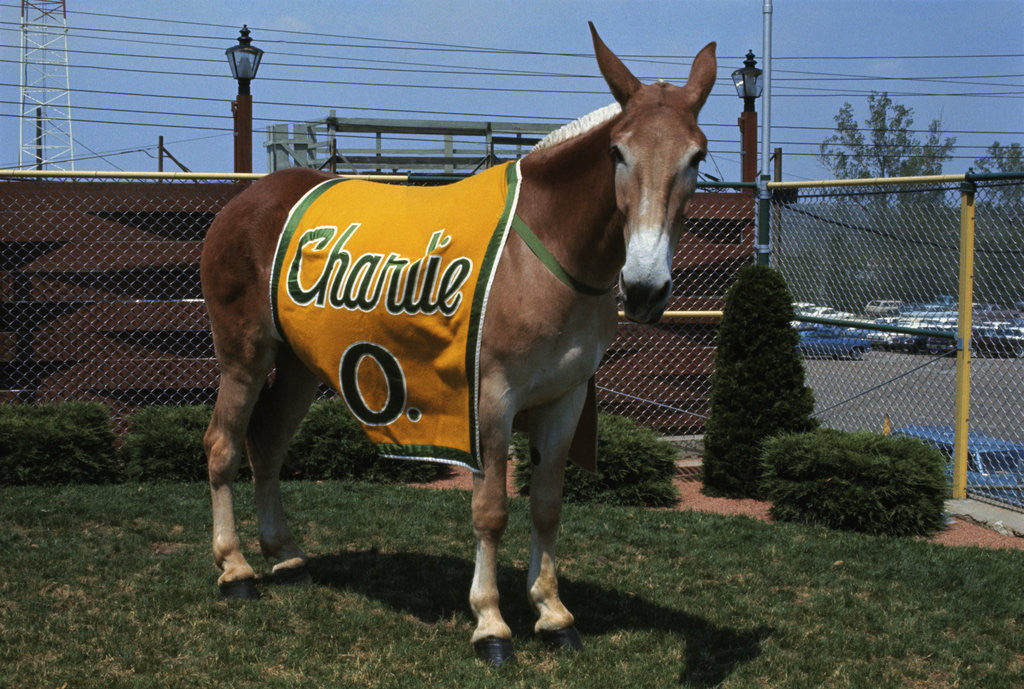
<point x="562" y="638"/>
<point x="293" y="576"/>
<point x="241" y="589"/>
<point x="494" y="651"/>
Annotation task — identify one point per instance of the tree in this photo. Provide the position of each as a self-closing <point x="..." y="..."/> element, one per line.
<point x="1001" y="158"/>
<point x="1000" y="212"/>
<point x="890" y="238"/>
<point x="886" y="147"/>
<point x="757" y="387"/>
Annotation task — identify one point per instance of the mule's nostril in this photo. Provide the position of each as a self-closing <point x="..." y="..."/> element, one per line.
<point x="643" y="293"/>
<point x="662" y="293"/>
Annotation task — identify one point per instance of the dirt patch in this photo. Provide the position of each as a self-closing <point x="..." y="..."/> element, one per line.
<point x="961" y="532"/>
<point x="165" y="547"/>
<point x="957" y="533"/>
<point x="692" y="499"/>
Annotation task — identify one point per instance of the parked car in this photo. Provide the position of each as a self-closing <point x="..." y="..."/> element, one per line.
<point x="993" y="312"/>
<point x="805" y="309"/>
<point x="997" y="341"/>
<point x="883" y="307"/>
<point x="896" y="342"/>
<point x="992" y="463"/>
<point x="829" y="342"/>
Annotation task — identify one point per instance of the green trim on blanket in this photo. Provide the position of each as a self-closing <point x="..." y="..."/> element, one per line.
<point x="552" y="264"/>
<point x="294" y="216"/>
<point x="428" y="453"/>
<point x="480" y="298"/>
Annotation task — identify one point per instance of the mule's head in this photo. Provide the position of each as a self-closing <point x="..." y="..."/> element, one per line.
<point x="655" y="146"/>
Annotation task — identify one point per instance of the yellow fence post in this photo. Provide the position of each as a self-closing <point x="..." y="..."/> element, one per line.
<point x="963" y="340"/>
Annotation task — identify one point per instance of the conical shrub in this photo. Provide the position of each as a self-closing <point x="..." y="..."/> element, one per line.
<point x="757" y="388"/>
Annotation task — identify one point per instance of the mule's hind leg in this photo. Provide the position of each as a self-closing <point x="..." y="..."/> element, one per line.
<point x="551" y="432"/>
<point x="224" y="441"/>
<point x="277" y="415"/>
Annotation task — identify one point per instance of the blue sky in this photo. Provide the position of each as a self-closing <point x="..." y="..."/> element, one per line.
<point x="142" y="70"/>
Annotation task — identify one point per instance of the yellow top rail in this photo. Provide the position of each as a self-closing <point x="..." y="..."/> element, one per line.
<point x="869" y="181"/>
<point x="685" y="314"/>
<point x="236" y="176"/>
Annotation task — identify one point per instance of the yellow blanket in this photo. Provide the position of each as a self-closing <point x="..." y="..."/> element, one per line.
<point x="381" y="290"/>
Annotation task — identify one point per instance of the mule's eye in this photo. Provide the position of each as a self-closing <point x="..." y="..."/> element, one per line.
<point x="698" y="158"/>
<point x="616" y="155"/>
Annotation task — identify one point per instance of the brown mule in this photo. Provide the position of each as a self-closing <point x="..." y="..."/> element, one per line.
<point x="605" y="199"/>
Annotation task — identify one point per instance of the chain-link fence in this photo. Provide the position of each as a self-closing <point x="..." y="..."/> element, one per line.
<point x="101" y="301"/>
<point x="660" y="375"/>
<point x="101" y="295"/>
<point x="101" y="298"/>
<point x="879" y="273"/>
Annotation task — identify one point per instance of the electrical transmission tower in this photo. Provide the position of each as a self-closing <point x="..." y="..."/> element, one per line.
<point x="45" y="137"/>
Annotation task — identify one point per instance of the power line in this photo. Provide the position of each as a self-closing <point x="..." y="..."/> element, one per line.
<point x="488" y="116"/>
<point x="226" y="129"/>
<point x="411" y="67"/>
<point x="433" y="45"/>
<point x="805" y="91"/>
<point x="420" y="67"/>
<point x="492" y="116"/>
<point x="390" y="43"/>
<point x="378" y="43"/>
<point x="294" y="57"/>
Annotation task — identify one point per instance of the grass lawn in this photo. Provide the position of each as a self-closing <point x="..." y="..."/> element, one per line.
<point x="114" y="586"/>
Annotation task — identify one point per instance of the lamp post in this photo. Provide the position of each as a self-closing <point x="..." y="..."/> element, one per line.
<point x="244" y="60"/>
<point x="748" y="82"/>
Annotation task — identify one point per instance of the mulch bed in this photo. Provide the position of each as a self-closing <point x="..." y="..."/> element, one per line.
<point x="958" y="533"/>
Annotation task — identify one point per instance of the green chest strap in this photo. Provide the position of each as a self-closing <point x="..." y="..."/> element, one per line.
<point x="552" y="264"/>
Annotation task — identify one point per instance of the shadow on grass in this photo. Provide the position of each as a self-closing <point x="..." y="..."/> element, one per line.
<point x="435" y="588"/>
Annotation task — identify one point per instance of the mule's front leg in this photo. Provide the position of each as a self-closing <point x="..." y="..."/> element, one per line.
<point x="492" y="638"/>
<point x="554" y="621"/>
<point x="551" y="431"/>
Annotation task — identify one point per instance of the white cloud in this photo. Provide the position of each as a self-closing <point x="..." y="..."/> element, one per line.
<point x="291" y="23"/>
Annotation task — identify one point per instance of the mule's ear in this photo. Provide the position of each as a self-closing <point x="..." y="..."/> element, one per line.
<point x="620" y="80"/>
<point x="702" y="75"/>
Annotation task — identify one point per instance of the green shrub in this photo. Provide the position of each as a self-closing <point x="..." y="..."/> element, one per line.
<point x="166" y="444"/>
<point x="757" y="388"/>
<point x="634" y="467"/>
<point x="864" y="482"/>
<point x="70" y="442"/>
<point x="331" y="444"/>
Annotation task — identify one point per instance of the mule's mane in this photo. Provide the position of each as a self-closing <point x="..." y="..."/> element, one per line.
<point x="580" y="126"/>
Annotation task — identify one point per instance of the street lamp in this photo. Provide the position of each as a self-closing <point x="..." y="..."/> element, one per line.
<point x="748" y="82"/>
<point x="244" y="60"/>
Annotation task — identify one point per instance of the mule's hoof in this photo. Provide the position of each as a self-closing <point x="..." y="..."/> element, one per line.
<point x="240" y="589"/>
<point x="562" y="638"/>
<point x="293" y="576"/>
<point x="494" y="651"/>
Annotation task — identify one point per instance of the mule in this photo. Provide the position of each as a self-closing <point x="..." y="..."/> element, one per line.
<point x="605" y="198"/>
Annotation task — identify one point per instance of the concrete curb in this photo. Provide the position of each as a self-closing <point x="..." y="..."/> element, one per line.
<point x="1001" y="520"/>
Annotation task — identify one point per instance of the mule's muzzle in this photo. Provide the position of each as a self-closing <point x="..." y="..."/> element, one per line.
<point x="645" y="302"/>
